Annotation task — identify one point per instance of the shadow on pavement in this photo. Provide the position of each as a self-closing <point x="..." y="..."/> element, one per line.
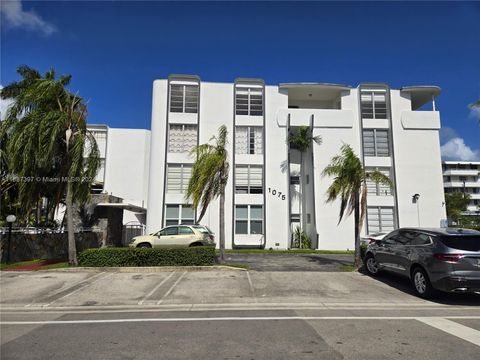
<point x="403" y="284"/>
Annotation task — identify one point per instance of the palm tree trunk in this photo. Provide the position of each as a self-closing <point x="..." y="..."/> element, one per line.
<point x="222" y="226"/>
<point x="72" y="249"/>
<point x="357" y="262"/>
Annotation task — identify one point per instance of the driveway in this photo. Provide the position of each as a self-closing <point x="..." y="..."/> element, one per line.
<point x="291" y="262"/>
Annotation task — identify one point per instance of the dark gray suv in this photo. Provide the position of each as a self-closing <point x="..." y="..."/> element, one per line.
<point x="434" y="259"/>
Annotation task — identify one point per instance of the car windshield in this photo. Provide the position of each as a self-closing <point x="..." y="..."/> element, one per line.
<point x="466" y="243"/>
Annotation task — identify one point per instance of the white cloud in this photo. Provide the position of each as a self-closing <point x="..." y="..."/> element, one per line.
<point x="14" y="16"/>
<point x="456" y="149"/>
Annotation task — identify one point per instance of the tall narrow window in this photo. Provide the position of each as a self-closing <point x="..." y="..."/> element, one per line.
<point x="248" y="140"/>
<point x="178" y="176"/>
<point x="380" y="219"/>
<point x="374" y="104"/>
<point x="379" y="189"/>
<point x="376" y="143"/>
<point x="249" y="101"/>
<point x="248" y="179"/>
<point x="181" y="138"/>
<point x="184" y="98"/>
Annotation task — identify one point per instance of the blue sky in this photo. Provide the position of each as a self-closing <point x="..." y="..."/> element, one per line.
<point x="115" y="50"/>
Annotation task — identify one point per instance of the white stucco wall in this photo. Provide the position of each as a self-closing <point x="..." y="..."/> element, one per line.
<point x="416" y="159"/>
<point x="127" y="165"/>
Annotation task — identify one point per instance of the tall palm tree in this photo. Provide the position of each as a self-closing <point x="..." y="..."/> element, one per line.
<point x="49" y="140"/>
<point x="302" y="139"/>
<point x="209" y="178"/>
<point x="350" y="184"/>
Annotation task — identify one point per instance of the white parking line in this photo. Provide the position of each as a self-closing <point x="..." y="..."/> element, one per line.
<point x="62" y="290"/>
<point x="252" y="289"/>
<point x="171" y="288"/>
<point x="79" y="289"/>
<point x="155" y="289"/>
<point x="461" y="331"/>
<point x="232" y="318"/>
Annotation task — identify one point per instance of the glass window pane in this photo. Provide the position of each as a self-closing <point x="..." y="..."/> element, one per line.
<point x="187" y="212"/>
<point x="241" y="212"/>
<point x="256" y="212"/>
<point x="241" y="227"/>
<point x="183" y="230"/>
<point x="172" y="212"/>
<point x="256" y="227"/>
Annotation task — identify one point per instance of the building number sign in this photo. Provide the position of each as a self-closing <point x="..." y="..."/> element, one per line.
<point x="274" y="192"/>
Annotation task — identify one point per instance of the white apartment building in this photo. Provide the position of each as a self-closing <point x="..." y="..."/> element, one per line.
<point x="123" y="172"/>
<point x="463" y="177"/>
<point x="272" y="187"/>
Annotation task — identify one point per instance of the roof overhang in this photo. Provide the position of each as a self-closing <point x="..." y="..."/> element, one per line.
<point x="421" y="95"/>
<point x="124" y="206"/>
<point x="318" y="86"/>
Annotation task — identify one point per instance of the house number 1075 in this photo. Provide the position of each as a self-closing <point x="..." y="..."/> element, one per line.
<point x="274" y="192"/>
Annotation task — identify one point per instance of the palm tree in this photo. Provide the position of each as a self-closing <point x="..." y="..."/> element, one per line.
<point x="302" y="139"/>
<point x="350" y="184"/>
<point x="49" y="139"/>
<point x="209" y="178"/>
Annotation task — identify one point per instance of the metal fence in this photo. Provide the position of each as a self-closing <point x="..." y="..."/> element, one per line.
<point x="130" y="230"/>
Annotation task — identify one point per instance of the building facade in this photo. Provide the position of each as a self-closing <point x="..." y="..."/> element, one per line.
<point x="274" y="188"/>
<point x="463" y="177"/>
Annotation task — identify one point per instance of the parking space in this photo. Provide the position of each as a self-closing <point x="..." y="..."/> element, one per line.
<point x="291" y="261"/>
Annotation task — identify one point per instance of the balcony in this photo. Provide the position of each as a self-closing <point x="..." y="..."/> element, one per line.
<point x="460" y="184"/>
<point x="461" y="172"/>
<point x="421" y="120"/>
<point x="322" y="118"/>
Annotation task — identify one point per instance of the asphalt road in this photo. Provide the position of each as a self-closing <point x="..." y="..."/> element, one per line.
<point x="235" y="314"/>
<point x="291" y="262"/>
<point x="287" y="334"/>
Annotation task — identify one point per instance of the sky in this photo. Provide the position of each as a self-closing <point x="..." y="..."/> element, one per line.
<point x="115" y="49"/>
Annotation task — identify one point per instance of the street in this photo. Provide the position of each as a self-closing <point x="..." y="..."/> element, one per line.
<point x="229" y="314"/>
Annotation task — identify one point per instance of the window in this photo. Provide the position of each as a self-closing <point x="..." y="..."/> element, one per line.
<point x="248" y="179"/>
<point x="294" y="180"/>
<point x="184" y="98"/>
<point x="376" y="143"/>
<point x="178" y="176"/>
<point x="181" y="138"/>
<point x="248" y="219"/>
<point x="374" y="104"/>
<point x="179" y="214"/>
<point x="169" y="231"/>
<point x="380" y="219"/>
<point x="184" y="230"/>
<point x="379" y="189"/>
<point x="421" y="239"/>
<point x="249" y="140"/>
<point x="249" y="101"/>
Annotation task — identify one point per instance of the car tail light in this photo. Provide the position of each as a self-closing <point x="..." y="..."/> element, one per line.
<point x="371" y="241"/>
<point x="211" y="237"/>
<point x="448" y="257"/>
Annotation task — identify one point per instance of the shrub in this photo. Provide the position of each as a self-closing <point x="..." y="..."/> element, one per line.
<point x="194" y="256"/>
<point x="301" y="238"/>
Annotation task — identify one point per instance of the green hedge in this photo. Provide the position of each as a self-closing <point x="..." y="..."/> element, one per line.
<point x="193" y="256"/>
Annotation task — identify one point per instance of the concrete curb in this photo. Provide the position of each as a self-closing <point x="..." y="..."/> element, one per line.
<point x="148" y="269"/>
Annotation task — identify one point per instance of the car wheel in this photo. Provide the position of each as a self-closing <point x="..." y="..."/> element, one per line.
<point x="421" y="283"/>
<point x="371" y="265"/>
<point x="144" y="245"/>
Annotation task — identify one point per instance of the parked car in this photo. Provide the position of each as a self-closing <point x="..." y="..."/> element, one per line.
<point x="367" y="239"/>
<point x="176" y="236"/>
<point x="433" y="259"/>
